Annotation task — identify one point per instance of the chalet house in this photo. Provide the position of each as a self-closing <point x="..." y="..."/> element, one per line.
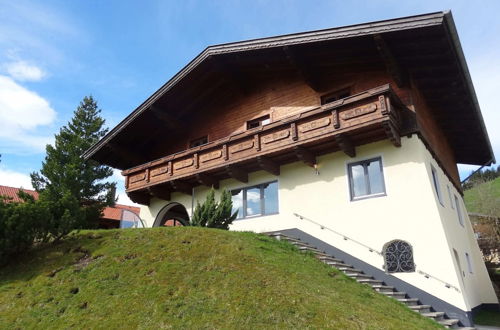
<point x="118" y="216"/>
<point x="346" y="138"/>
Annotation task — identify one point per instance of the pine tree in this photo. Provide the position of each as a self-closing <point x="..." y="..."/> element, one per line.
<point x="75" y="188"/>
<point x="212" y="214"/>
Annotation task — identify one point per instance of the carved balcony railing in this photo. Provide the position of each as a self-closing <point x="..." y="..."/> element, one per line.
<point x="341" y="125"/>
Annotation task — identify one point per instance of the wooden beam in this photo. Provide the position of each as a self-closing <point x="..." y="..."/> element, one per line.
<point x="268" y="165"/>
<point x="207" y="180"/>
<point x="392" y="133"/>
<point x="391" y="64"/>
<point x="303" y="68"/>
<point x="237" y="173"/>
<point x="306" y="156"/>
<point x="139" y="197"/>
<point x="182" y="187"/>
<point x="345" y="143"/>
<point x="160" y="191"/>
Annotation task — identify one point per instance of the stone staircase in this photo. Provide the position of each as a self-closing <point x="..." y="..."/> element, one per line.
<point x="379" y="286"/>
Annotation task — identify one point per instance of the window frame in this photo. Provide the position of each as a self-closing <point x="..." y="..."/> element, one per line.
<point x="336" y="95"/>
<point x="436" y="184"/>
<point x="365" y="162"/>
<point x="262" y="202"/>
<point x="259" y="120"/>
<point x="459" y="211"/>
<point x="190" y="143"/>
<point x="470" y="266"/>
<point x="450" y="196"/>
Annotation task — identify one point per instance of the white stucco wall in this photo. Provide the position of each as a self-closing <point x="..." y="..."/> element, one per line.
<point x="410" y="211"/>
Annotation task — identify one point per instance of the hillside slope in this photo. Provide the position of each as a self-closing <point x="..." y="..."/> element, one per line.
<point x="490" y="189"/>
<point x="188" y="278"/>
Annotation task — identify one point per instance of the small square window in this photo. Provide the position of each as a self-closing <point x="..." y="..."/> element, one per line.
<point x="261" y="121"/>
<point x="198" y="142"/>
<point x="366" y="179"/>
<point x="335" y="96"/>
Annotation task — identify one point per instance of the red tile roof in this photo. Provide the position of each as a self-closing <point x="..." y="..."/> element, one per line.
<point x="12" y="193"/>
<point x="110" y="213"/>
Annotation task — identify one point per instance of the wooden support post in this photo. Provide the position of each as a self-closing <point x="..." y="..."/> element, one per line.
<point x="268" y="165"/>
<point x="293" y="130"/>
<point x="345" y="143"/>
<point x="207" y="180"/>
<point x="335" y="119"/>
<point x="392" y="133"/>
<point x="391" y="64"/>
<point x="306" y="156"/>
<point x="182" y="187"/>
<point x="160" y="191"/>
<point x="139" y="197"/>
<point x="237" y="173"/>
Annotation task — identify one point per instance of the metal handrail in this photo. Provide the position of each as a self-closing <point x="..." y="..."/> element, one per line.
<point x="347" y="238"/>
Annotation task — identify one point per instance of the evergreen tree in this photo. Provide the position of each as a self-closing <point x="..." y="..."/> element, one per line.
<point x="212" y="214"/>
<point x="74" y="188"/>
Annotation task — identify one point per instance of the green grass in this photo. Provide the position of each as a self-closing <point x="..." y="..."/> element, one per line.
<point x="187" y="278"/>
<point x="487" y="318"/>
<point x="471" y="196"/>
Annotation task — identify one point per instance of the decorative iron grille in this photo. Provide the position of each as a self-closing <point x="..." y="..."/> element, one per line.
<point x="398" y="257"/>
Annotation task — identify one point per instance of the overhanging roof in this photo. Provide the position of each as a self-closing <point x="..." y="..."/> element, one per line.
<point x="471" y="145"/>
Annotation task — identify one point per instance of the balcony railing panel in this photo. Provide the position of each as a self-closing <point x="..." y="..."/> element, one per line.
<point x="371" y="110"/>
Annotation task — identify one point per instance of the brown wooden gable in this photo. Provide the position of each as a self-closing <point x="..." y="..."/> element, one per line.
<point x="226" y="85"/>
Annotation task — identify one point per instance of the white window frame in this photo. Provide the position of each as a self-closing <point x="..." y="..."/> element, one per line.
<point x="459" y="211"/>
<point x="469" y="263"/>
<point x="351" y="182"/>
<point x="451" y="198"/>
<point x="435" y="183"/>
<point x="244" y="216"/>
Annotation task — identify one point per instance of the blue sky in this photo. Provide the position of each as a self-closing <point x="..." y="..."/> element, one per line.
<point x="53" y="53"/>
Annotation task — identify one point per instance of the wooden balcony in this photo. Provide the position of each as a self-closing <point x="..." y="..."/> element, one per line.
<point x="341" y="125"/>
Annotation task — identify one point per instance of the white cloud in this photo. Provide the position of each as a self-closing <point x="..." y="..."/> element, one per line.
<point x="24" y="71"/>
<point x="120" y="188"/>
<point x="15" y="179"/>
<point x="21" y="112"/>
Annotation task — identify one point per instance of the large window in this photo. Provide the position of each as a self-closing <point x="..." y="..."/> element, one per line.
<point x="256" y="201"/>
<point x="366" y="179"/>
<point x="435" y="181"/>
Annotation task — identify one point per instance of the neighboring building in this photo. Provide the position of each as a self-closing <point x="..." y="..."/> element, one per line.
<point x="119" y="216"/>
<point x="348" y="137"/>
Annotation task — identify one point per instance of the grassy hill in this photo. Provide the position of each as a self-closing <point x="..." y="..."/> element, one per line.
<point x="472" y="196"/>
<point x="187" y="278"/>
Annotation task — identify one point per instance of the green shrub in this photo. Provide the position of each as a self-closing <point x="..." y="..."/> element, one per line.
<point x="212" y="214"/>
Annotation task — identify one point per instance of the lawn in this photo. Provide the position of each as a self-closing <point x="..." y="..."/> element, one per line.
<point x="187" y="278"/>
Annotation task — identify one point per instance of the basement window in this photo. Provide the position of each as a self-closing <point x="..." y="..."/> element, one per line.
<point x="335" y="96"/>
<point x="257" y="122"/>
<point x="198" y="142"/>
<point x="366" y="179"/>
<point x="255" y="201"/>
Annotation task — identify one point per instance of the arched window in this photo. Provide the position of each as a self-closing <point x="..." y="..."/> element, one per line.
<point x="173" y="214"/>
<point x="398" y="257"/>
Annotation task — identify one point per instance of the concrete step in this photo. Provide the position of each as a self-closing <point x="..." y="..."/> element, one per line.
<point x="437" y="316"/>
<point x="449" y="323"/>
<point x="421" y="308"/>
<point x="394" y="294"/>
<point x="408" y="301"/>
<point x="357" y="276"/>
<point x="337" y="264"/>
<point x="309" y="248"/>
<point x="348" y="270"/>
<point x="370" y="281"/>
<point x="301" y="244"/>
<point x="383" y="288"/>
<point x="329" y="258"/>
